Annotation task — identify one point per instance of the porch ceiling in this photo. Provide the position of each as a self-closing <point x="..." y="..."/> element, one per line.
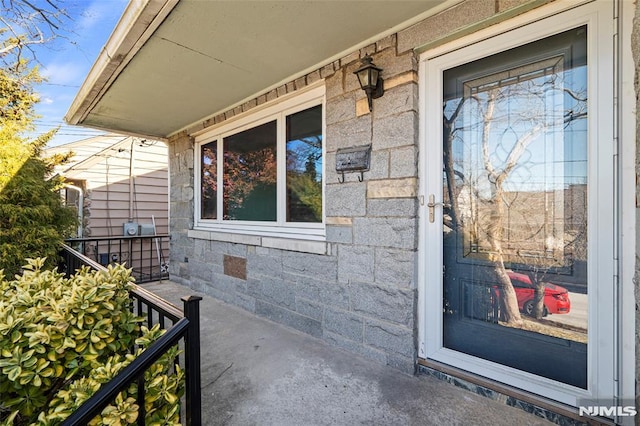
<point x="170" y="64"/>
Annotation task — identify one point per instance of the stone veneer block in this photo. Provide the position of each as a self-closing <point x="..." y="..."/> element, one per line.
<point x="393" y="64"/>
<point x="398" y="100"/>
<point x="396" y="188"/>
<point x="340" y="109"/>
<point x="289" y="318"/>
<point x="385" y="232"/>
<point x="327" y="71"/>
<point x="345" y="324"/>
<point x="395" y="130"/>
<point x="368" y="50"/>
<point x="316" y="247"/>
<point x="389" y="338"/>
<point x="392" y="207"/>
<point x="349" y="133"/>
<point x="319" y="266"/>
<point x="408" y="77"/>
<point x="385" y="43"/>
<point x="350" y="59"/>
<point x="339" y="234"/>
<point x="403" y="162"/>
<point x="395" y="268"/>
<point x="347" y="199"/>
<point x="362" y="107"/>
<point x="278" y="292"/>
<point x="323" y="292"/>
<point x="382" y="302"/>
<point x="340" y="221"/>
<point x="309" y="309"/>
<point x="235" y="266"/>
<point x="445" y="23"/>
<point x="355" y="263"/>
<point x="197" y="234"/>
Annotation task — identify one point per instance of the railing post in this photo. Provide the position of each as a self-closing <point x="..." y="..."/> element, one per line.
<point x="192" y="361"/>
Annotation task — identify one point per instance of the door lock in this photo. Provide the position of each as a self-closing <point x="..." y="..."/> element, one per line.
<point x="432" y="204"/>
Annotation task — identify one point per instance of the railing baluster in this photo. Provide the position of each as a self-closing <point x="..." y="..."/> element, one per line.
<point x="149" y="316"/>
<point x="142" y="412"/>
<point x="192" y="360"/>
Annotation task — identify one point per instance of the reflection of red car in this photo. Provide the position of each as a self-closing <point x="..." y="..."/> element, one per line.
<point x="556" y="298"/>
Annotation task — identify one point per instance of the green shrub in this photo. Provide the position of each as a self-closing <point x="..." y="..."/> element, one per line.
<point x="33" y="220"/>
<point x="60" y="339"/>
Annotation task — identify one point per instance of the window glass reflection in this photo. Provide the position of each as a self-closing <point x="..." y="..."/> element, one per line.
<point x="304" y="166"/>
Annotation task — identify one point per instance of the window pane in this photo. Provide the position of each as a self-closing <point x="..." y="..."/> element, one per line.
<point x="250" y="173"/>
<point x="304" y="166"/>
<point x="209" y="181"/>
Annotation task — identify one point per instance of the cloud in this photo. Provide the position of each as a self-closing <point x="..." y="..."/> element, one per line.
<point x="97" y="13"/>
<point x="65" y="73"/>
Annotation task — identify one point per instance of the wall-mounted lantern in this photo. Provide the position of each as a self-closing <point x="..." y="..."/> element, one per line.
<point x="370" y="80"/>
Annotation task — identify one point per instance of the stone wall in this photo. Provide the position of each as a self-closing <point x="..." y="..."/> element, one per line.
<point x="361" y="294"/>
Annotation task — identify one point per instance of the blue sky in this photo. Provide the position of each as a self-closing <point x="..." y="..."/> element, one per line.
<point x="66" y="61"/>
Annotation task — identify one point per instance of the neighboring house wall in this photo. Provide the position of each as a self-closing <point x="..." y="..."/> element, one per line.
<point x="121" y="190"/>
<point x="124" y="179"/>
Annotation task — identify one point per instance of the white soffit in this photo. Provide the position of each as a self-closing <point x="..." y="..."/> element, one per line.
<point x="206" y="56"/>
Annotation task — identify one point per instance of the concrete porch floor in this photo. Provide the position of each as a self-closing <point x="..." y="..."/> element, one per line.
<point x="257" y="372"/>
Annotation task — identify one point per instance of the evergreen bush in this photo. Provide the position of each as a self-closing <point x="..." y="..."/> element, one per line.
<point x="60" y="339"/>
<point x="33" y="219"/>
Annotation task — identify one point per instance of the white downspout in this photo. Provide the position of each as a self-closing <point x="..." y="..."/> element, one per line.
<point x="80" y="207"/>
<point x="131" y="180"/>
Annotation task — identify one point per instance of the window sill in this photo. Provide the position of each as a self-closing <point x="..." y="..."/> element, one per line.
<point x="290" y="243"/>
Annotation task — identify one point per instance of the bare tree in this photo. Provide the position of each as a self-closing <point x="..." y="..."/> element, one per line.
<point x="25" y="24"/>
<point x="509" y="115"/>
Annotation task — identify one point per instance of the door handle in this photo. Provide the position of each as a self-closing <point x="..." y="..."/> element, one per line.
<point x="432" y="205"/>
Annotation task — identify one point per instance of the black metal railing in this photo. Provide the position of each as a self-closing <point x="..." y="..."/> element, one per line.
<point x="184" y="330"/>
<point x="146" y="255"/>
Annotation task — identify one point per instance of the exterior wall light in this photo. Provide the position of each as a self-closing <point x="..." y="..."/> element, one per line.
<point x="370" y="80"/>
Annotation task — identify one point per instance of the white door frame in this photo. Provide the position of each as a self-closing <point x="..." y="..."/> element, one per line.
<point x="611" y="313"/>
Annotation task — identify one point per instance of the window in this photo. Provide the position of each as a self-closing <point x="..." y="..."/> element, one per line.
<point x="263" y="173"/>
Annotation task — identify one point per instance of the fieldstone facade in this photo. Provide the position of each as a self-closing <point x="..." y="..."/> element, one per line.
<point x="360" y="294"/>
<point x="359" y="291"/>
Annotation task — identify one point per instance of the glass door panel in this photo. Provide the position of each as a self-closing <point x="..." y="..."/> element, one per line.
<point x="515" y="208"/>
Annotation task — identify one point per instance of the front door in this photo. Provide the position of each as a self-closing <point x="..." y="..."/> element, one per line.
<point x="513" y="199"/>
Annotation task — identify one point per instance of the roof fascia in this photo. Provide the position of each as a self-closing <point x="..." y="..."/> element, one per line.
<point x="137" y="24"/>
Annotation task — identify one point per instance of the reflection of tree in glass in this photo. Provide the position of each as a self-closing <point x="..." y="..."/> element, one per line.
<point x="249" y="185"/>
<point x="501" y="125"/>
<point x="304" y="180"/>
<point x="209" y="181"/>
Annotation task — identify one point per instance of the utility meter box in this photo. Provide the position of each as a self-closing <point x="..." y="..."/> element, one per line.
<point x="147" y="229"/>
<point x="130" y="229"/>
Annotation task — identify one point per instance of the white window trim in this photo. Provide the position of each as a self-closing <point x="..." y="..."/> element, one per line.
<point x="280" y="230"/>
<point x="430" y="346"/>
